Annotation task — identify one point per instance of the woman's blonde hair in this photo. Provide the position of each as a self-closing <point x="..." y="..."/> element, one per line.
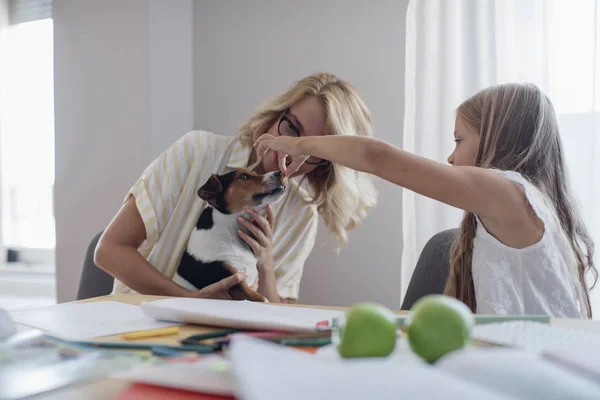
<point x="518" y="131"/>
<point x="343" y="196"/>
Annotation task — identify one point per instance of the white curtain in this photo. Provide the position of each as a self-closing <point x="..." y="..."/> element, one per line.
<point x="4" y="18"/>
<point x="455" y="48"/>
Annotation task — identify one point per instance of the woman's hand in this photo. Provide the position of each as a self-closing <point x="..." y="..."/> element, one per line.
<point x="220" y="290"/>
<point x="285" y="147"/>
<point x="254" y="286"/>
<point x="261" y="240"/>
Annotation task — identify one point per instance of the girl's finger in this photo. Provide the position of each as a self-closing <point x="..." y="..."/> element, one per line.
<point x="282" y="160"/>
<point x="263" y="147"/>
<point x="296" y="164"/>
<point x="260" y="139"/>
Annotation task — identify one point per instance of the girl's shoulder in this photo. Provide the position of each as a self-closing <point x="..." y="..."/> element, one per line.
<point x="537" y="199"/>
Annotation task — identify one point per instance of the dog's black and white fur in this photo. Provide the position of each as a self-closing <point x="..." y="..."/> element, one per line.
<point x="215" y="250"/>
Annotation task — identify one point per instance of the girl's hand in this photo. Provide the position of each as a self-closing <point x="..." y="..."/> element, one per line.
<point x="261" y="240"/>
<point x="285" y="147"/>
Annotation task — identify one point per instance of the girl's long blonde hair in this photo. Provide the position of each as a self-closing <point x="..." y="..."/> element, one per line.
<point x="343" y="196"/>
<point x="518" y="131"/>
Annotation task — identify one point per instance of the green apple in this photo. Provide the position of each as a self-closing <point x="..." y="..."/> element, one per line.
<point x="439" y="325"/>
<point x="369" y="331"/>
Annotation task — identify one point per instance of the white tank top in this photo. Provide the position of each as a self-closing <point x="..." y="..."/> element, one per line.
<point x="539" y="279"/>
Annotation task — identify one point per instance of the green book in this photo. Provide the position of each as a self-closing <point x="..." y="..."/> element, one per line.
<point x="489" y="319"/>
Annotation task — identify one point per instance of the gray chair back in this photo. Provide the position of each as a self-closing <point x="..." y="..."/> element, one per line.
<point x="94" y="281"/>
<point x="433" y="266"/>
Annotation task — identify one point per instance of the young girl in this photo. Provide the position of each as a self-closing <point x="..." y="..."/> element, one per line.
<point x="522" y="246"/>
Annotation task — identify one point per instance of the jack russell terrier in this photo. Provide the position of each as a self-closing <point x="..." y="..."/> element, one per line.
<point x="215" y="251"/>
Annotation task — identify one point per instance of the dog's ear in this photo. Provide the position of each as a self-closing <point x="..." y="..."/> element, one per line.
<point x="211" y="188"/>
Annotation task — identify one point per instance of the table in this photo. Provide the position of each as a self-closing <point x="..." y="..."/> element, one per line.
<point x="110" y="388"/>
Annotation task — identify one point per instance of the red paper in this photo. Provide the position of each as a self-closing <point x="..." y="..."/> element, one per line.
<point x="140" y="391"/>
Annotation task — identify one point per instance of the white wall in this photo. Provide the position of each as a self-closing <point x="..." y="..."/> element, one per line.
<point x="246" y="52"/>
<point x="123" y="74"/>
<point x="131" y="76"/>
<point x="171" y="74"/>
<point x="102" y="120"/>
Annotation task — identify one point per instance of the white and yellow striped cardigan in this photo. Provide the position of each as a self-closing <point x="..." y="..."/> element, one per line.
<point x="166" y="197"/>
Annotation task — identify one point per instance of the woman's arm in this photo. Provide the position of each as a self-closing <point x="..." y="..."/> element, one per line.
<point x="117" y="254"/>
<point x="469" y="188"/>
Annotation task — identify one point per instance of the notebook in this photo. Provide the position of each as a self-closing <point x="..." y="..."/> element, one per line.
<point x="238" y="314"/>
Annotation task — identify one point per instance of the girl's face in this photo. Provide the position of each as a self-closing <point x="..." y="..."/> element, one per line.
<point x="467" y="144"/>
<point x="305" y="118"/>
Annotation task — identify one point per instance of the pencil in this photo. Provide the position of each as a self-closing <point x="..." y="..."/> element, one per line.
<point x="150" y="333"/>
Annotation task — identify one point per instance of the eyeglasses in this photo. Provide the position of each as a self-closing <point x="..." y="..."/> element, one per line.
<point x="287" y="128"/>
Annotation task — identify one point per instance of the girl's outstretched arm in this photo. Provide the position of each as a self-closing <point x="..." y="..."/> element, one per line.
<point x="474" y="189"/>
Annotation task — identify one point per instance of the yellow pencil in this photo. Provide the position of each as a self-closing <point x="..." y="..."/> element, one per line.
<point x="151" y="333"/>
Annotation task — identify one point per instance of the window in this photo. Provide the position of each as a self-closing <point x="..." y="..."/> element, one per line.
<point x="574" y="45"/>
<point x="27" y="141"/>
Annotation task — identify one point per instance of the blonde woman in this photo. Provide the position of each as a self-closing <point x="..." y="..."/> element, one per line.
<point x="523" y="247"/>
<point x="144" y="242"/>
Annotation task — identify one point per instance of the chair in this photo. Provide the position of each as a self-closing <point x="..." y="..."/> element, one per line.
<point x="433" y="266"/>
<point x="94" y="281"/>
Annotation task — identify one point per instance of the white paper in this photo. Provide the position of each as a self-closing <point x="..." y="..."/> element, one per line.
<point x="83" y="321"/>
<point x="237" y="314"/>
<point x="7" y="326"/>
<point x="267" y="371"/>
<point x="584" y="362"/>
<point x="529" y="375"/>
<point x="201" y="376"/>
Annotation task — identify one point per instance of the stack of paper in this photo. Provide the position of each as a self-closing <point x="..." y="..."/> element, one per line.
<point x="266" y="371"/>
<point x="83" y="321"/>
<point x="237" y="314"/>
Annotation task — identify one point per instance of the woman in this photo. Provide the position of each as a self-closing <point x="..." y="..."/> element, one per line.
<point x="523" y="248"/>
<point x="144" y="242"/>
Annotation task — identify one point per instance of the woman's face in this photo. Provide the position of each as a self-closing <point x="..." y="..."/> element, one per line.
<point x="305" y="118"/>
<point x="467" y="144"/>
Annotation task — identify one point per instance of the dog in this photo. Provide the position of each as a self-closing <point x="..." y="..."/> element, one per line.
<point x="215" y="250"/>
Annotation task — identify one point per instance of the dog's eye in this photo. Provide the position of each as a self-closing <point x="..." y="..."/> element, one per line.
<point x="243" y="177"/>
